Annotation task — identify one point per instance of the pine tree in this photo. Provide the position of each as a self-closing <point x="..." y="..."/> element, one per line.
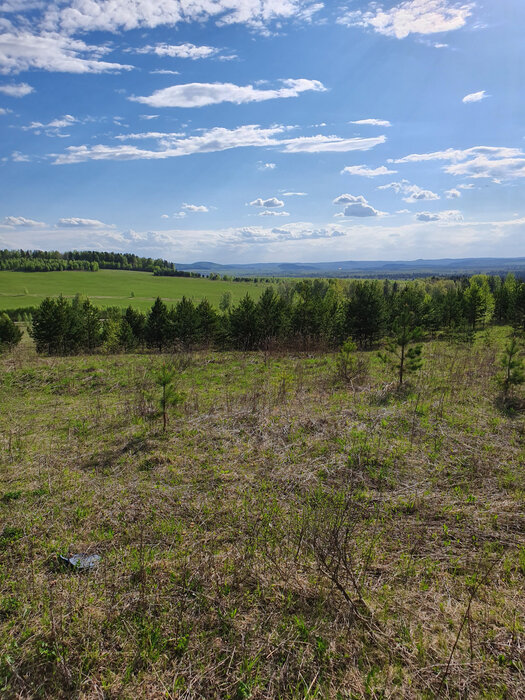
<point x="157" y="331"/>
<point x="164" y="378"/>
<point x="10" y="334"/>
<point x="512" y="366"/>
<point x="207" y="322"/>
<point x="185" y="322"/>
<point x="243" y="324"/>
<point x="269" y="316"/>
<point x="365" y="313"/>
<point x="404" y="350"/>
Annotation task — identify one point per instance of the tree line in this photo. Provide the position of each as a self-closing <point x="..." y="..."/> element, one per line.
<point x="91" y="260"/>
<point x="295" y="314"/>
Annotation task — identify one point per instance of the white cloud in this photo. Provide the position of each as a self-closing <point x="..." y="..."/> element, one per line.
<point x="414" y="192"/>
<point x="163" y="71"/>
<point x="452" y="194"/>
<point x="20" y="157"/>
<point x="21" y="5"/>
<point x="468" y="186"/>
<point x="114" y="15"/>
<point x="264" y="167"/>
<point x="16" y="90"/>
<point x="76" y="222"/>
<point x="196" y="208"/>
<point x="365" y="171"/>
<point x="411" y="17"/>
<point x="372" y="122"/>
<point x="274" y="213"/>
<point x="475" y="97"/>
<point x="22" y="221"/>
<point x="4" y="110"/>
<point x="270" y="203"/>
<point x="21" y="51"/>
<point x="367" y="238"/>
<point x="449" y="215"/>
<point x="52" y="128"/>
<point x="171" y="145"/>
<point x="494" y="162"/>
<point x="294" y="194"/>
<point x="336" y="144"/>
<point x="164" y="216"/>
<point x="203" y="94"/>
<point x="147" y="117"/>
<point x="355" y="205"/>
<point x="180" y="51"/>
<point x="180" y="215"/>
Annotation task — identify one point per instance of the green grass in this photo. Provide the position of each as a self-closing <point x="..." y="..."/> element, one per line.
<point x="289" y="536"/>
<point x="115" y="288"/>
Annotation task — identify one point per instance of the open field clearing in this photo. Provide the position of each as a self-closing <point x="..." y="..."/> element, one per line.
<point x="115" y="288"/>
<point x="290" y="535"/>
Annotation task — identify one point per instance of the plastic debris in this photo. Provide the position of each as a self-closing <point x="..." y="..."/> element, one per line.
<point x="80" y="562"/>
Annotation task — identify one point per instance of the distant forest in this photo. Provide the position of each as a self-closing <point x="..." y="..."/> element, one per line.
<point x="90" y="260"/>
<point x="296" y="315"/>
<point x="93" y="260"/>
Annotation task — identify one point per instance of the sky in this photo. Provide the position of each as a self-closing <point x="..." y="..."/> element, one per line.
<point x="264" y="130"/>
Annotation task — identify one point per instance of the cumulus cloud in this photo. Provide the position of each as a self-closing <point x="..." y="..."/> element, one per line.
<point x="196" y="208"/>
<point x="475" y="97"/>
<point x="273" y="213"/>
<point x="76" y="222"/>
<point x="413" y="193"/>
<point x="4" y="110"/>
<point x="411" y="17"/>
<point x="270" y="203"/>
<point x="449" y="215"/>
<point x="452" y="194"/>
<point x="185" y="50"/>
<point x="355" y="205"/>
<point x="114" y="15"/>
<point x="22" y="50"/>
<point x="494" y="162"/>
<point x="203" y="94"/>
<point x="172" y="145"/>
<point x="16" y="221"/>
<point x="372" y="122"/>
<point x="365" y="171"/>
<point x="16" y="89"/>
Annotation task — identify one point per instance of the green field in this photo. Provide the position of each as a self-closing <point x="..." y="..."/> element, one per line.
<point x="115" y="288"/>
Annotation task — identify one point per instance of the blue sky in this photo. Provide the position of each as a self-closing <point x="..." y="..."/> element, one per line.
<point x="264" y="130"/>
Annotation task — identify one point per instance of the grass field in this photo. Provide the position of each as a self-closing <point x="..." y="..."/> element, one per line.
<point x="289" y="536"/>
<point x="114" y="288"/>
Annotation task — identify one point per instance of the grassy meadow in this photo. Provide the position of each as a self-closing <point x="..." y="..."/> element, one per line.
<point x="291" y="534"/>
<point x="115" y="288"/>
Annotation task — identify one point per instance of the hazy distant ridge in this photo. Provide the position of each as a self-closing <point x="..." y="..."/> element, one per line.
<point x="443" y="266"/>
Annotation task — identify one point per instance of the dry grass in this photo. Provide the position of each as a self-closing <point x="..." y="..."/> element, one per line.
<point x="289" y="537"/>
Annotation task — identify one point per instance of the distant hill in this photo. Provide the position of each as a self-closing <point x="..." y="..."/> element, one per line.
<point x="367" y="268"/>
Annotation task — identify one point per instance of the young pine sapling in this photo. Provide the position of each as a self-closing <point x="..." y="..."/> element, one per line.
<point x="404" y="350"/>
<point x="165" y="378"/>
<point x="512" y="366"/>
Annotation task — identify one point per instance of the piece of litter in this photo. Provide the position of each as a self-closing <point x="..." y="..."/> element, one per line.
<point x="80" y="561"/>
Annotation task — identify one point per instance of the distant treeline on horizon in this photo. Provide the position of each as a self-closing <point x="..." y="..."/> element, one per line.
<point x="92" y="261"/>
